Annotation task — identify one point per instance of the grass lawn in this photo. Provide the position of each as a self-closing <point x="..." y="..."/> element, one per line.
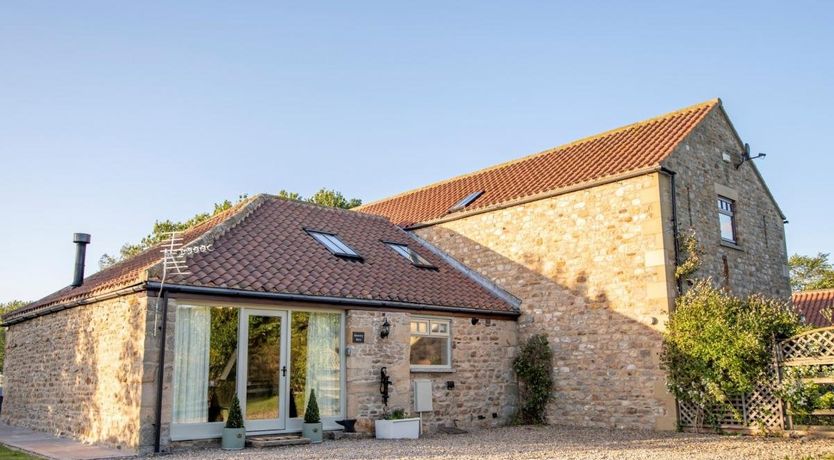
<point x="8" y="454"/>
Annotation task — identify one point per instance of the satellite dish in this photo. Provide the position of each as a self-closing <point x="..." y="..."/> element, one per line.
<point x="746" y="150"/>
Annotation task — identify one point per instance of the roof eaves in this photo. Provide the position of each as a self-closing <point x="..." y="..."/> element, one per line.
<point x="537" y="197"/>
<point x="352" y="301"/>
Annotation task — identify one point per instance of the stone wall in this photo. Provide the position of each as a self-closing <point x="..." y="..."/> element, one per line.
<point x="590" y="269"/>
<point x="484" y="384"/>
<point x="758" y="263"/>
<point x="78" y="372"/>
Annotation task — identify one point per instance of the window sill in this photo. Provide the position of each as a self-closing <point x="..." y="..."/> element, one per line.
<point x="731" y="245"/>
<point x="432" y="370"/>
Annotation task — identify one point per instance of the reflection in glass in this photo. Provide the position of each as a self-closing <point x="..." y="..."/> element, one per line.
<point x="429" y="351"/>
<point x="316" y="362"/>
<point x="263" y="372"/>
<point x="205" y="363"/>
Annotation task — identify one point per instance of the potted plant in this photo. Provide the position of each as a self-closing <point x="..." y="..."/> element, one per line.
<point x="312" y="422"/>
<point x="395" y="425"/>
<point x="234" y="434"/>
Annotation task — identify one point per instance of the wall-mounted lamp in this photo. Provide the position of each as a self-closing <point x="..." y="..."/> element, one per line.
<point x="746" y="156"/>
<point x="385" y="329"/>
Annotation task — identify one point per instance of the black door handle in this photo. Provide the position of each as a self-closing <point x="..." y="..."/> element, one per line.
<point x="284" y="371"/>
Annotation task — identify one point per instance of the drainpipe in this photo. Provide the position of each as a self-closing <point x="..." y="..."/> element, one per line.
<point x="679" y="284"/>
<point x="163" y="297"/>
<point x="672" y="175"/>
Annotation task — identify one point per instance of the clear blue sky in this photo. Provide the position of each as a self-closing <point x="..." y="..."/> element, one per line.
<point x="114" y="114"/>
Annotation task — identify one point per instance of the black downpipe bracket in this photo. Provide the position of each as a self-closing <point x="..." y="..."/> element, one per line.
<point x="163" y="297"/>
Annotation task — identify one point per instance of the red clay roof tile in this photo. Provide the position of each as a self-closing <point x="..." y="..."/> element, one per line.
<point x="262" y="246"/>
<point x="630" y="148"/>
<point x="811" y="304"/>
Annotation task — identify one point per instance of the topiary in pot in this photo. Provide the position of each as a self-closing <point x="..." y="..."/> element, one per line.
<point x="234" y="434"/>
<point x="312" y="429"/>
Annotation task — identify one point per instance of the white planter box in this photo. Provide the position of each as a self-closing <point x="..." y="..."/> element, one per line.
<point x="407" y="428"/>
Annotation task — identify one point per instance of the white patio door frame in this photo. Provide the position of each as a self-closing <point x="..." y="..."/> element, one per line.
<point x="267" y="425"/>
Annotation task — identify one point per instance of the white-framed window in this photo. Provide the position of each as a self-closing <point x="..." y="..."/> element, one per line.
<point x="431" y="343"/>
<point x="727" y="219"/>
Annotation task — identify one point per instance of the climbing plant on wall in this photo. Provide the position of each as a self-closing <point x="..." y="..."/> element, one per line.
<point x="534" y="365"/>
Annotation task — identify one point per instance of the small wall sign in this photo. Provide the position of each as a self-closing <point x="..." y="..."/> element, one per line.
<point x="358" y="337"/>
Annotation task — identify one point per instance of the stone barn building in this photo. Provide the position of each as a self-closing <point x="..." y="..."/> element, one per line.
<point x="437" y="285"/>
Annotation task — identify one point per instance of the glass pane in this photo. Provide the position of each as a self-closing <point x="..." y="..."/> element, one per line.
<point x="323" y="239"/>
<point x="429" y="351"/>
<point x="315" y="362"/>
<point x="263" y="368"/>
<point x="222" y="362"/>
<point x="205" y="363"/>
<point x="439" y="328"/>
<point x="727" y="232"/>
<point x="420" y="327"/>
<point x="343" y="248"/>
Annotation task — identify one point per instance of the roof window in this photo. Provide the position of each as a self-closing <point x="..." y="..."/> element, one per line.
<point x="466" y="201"/>
<point x="334" y="244"/>
<point x="416" y="259"/>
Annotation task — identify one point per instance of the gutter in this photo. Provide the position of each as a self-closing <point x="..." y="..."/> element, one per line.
<point x="77" y="303"/>
<point x="395" y="305"/>
<point x="537" y="197"/>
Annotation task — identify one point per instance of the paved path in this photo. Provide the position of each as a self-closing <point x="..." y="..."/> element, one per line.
<point x="46" y="445"/>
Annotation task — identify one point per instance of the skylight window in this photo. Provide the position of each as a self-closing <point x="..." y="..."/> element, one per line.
<point x="334" y="244"/>
<point x="416" y="259"/>
<point x="466" y="201"/>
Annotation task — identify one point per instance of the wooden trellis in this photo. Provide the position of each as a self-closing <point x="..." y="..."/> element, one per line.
<point x="812" y="348"/>
<point x="762" y="408"/>
<point x="759" y="409"/>
<point x="815" y="347"/>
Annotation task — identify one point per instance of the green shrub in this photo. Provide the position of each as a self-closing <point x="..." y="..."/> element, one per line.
<point x="396" y="414"/>
<point x="826" y="401"/>
<point x="311" y="415"/>
<point x="534" y="365"/>
<point x="235" y="418"/>
<point x="717" y="345"/>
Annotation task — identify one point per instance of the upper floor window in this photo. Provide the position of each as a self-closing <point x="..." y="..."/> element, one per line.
<point x="431" y="344"/>
<point x="727" y="219"/>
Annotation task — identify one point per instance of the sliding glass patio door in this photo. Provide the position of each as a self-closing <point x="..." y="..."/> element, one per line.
<point x="262" y="382"/>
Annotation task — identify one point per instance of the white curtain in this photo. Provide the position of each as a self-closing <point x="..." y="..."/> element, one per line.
<point x="191" y="364"/>
<point x="323" y="362"/>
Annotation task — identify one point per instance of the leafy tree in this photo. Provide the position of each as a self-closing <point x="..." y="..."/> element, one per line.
<point x="811" y="272"/>
<point x="717" y="346"/>
<point x="5" y="308"/>
<point x="161" y="228"/>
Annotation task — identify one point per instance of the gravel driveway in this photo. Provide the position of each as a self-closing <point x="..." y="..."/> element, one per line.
<point x="546" y="443"/>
